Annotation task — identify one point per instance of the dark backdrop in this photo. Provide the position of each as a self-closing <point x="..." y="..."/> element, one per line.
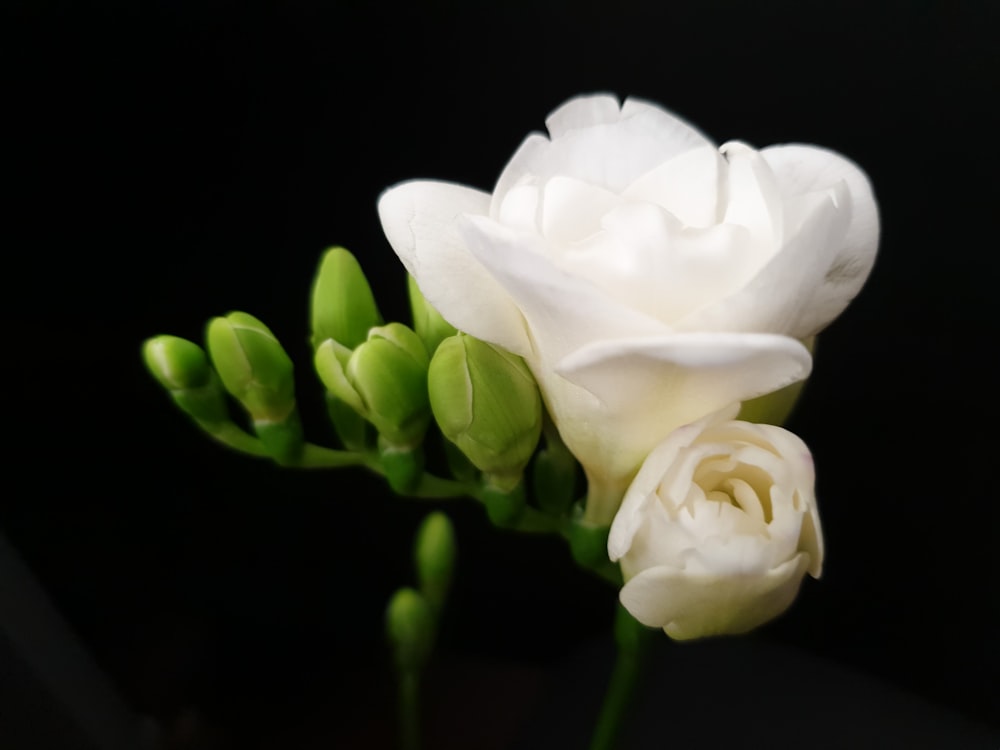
<point x="170" y="162"/>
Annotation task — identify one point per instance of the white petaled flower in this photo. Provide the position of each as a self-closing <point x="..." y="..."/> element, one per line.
<point x="718" y="529"/>
<point x="647" y="277"/>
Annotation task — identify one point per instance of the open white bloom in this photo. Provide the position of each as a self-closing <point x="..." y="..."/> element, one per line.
<point x="718" y="529"/>
<point x="647" y="277"/>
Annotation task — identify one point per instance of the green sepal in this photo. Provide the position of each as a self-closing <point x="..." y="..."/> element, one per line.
<point x="410" y="628"/>
<point x="434" y="558"/>
<point x="252" y="365"/>
<point x="283" y="440"/>
<point x="343" y="306"/>
<point x="427" y="322"/>
<point x="403" y="466"/>
<point x="504" y="507"/>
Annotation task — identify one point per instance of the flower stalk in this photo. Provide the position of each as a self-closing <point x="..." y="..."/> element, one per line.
<point x="632" y="641"/>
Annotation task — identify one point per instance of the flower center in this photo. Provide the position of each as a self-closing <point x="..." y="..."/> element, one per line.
<point x="744" y="486"/>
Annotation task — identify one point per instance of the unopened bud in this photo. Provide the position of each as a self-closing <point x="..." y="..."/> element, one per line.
<point x="410" y="628"/>
<point x="182" y="368"/>
<point x="434" y="557"/>
<point x="343" y="306"/>
<point x="252" y="366"/>
<point x="486" y="401"/>
<point x="384" y="379"/>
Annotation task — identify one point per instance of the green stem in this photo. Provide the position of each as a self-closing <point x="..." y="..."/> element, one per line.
<point x="433" y="487"/>
<point x="632" y="639"/>
<point x="318" y="457"/>
<point x="229" y="434"/>
<point x="409" y="710"/>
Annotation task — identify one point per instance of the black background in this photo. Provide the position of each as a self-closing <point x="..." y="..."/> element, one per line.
<point x="170" y="162"/>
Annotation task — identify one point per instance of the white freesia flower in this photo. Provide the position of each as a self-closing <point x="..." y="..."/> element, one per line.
<point x="647" y="277"/>
<point x="718" y="529"/>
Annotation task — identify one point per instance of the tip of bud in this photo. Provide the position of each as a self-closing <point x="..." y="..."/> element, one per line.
<point x="410" y="626"/>
<point x="434" y="557"/>
<point x="343" y="306"/>
<point x="178" y="364"/>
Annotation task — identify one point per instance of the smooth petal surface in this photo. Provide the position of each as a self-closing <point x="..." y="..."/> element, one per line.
<point x="655" y="385"/>
<point x="641" y="497"/>
<point x="420" y="220"/>
<point x="695" y="606"/>
<point x="687" y="186"/>
<point x="582" y="112"/>
<point x="648" y="260"/>
<point x="782" y="296"/>
<point x="696" y="374"/>
<point x="718" y="528"/>
<point x="801" y="169"/>
<point x="588" y="145"/>
<point x="564" y="312"/>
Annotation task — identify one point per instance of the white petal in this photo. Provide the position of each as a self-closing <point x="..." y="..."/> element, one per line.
<point x="676" y="134"/>
<point x="687" y="186"/>
<point x="800" y="169"/>
<point x="572" y="210"/>
<point x="519" y="209"/>
<point x="676" y="379"/>
<point x="520" y="169"/>
<point x="611" y="155"/>
<point x="786" y="294"/>
<point x="657" y="384"/>
<point x="419" y="219"/>
<point x="582" y="112"/>
<point x="563" y="311"/>
<point x="647" y="259"/>
<point x="752" y="198"/>
<point x="642" y="492"/>
<point x="695" y="606"/>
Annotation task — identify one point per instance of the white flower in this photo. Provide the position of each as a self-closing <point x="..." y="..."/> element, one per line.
<point x="718" y="529"/>
<point x="647" y="277"/>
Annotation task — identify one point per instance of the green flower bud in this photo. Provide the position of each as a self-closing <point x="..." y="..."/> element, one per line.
<point x="427" y="322"/>
<point x="343" y="306"/>
<point x="410" y="626"/>
<point x="182" y="368"/>
<point x="177" y="363"/>
<point x="775" y="408"/>
<point x="253" y="366"/>
<point x="486" y="402"/>
<point x="384" y="379"/>
<point x="434" y="558"/>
